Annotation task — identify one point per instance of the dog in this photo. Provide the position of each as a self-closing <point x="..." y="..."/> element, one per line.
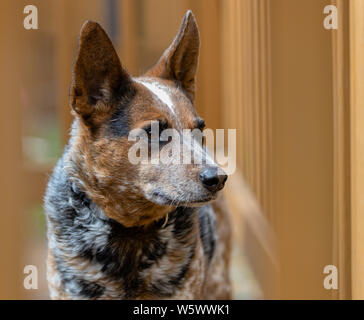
<point x="118" y="230"/>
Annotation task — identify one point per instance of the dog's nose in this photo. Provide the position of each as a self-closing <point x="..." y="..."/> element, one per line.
<point x="213" y="178"/>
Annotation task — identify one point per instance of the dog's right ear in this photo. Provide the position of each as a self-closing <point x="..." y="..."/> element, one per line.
<point x="179" y="62"/>
<point x="98" y="78"/>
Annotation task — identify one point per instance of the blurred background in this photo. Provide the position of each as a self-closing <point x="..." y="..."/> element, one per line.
<point x="269" y="69"/>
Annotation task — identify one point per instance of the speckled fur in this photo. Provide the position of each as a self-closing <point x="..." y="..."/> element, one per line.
<point x="121" y="231"/>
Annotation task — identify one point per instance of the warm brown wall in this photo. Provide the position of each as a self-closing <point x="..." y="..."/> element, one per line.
<point x="11" y="190"/>
<point x="302" y="126"/>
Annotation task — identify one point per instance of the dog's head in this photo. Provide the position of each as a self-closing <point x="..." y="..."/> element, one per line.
<point x="109" y="105"/>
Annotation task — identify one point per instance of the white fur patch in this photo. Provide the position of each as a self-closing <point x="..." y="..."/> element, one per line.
<point x="161" y="92"/>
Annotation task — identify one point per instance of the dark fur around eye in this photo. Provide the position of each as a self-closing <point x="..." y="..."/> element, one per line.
<point x="163" y="125"/>
<point x="200" y="124"/>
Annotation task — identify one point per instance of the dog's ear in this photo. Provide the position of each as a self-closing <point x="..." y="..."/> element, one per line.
<point x="179" y="62"/>
<point x="98" y="78"/>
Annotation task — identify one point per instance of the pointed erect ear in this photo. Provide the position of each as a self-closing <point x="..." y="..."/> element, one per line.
<point x="98" y="78"/>
<point x="179" y="62"/>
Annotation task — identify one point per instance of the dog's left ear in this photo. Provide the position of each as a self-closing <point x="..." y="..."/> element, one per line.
<point x="98" y="78"/>
<point x="179" y="62"/>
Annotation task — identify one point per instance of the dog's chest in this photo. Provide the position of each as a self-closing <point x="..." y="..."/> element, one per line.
<point x="96" y="261"/>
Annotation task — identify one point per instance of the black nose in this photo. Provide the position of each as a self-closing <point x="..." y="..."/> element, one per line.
<point x="213" y="178"/>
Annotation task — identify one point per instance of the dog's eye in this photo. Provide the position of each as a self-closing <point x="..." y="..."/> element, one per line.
<point x="148" y="130"/>
<point x="159" y="125"/>
<point x="200" y="124"/>
<point x="163" y="125"/>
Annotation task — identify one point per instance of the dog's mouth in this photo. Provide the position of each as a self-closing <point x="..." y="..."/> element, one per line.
<point x="186" y="200"/>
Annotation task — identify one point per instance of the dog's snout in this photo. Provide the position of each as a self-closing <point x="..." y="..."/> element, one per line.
<point x="213" y="178"/>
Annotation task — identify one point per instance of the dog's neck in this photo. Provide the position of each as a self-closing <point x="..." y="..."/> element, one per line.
<point x="156" y="225"/>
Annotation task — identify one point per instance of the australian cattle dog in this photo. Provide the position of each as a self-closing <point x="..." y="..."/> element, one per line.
<point x="120" y="230"/>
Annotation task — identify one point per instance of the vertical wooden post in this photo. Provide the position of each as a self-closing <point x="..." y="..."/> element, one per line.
<point x="341" y="132"/>
<point x="246" y="106"/>
<point x="357" y="145"/>
<point x="246" y="101"/>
